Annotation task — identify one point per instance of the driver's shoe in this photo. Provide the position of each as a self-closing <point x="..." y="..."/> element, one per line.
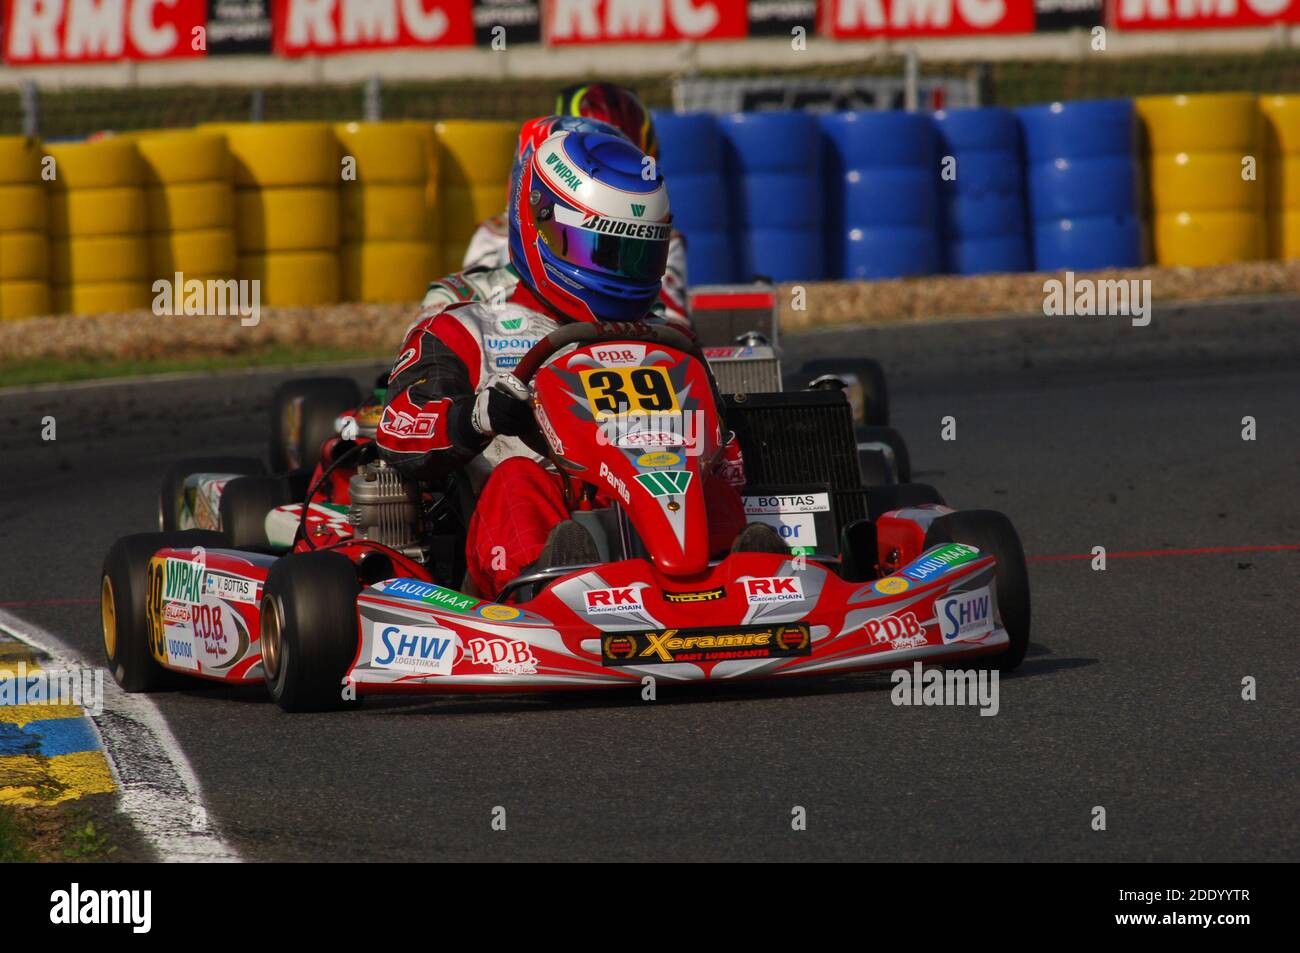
<point x="568" y="545"/>
<point x="760" y="538"/>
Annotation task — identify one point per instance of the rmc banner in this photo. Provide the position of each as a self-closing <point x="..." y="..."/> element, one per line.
<point x="95" y="31"/>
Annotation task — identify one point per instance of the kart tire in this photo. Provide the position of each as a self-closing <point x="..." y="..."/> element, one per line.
<point x="993" y="533"/>
<point x="866" y="379"/>
<point x="244" y="504"/>
<point x="169" y="497"/>
<point x="124" y="588"/>
<point x="894" y="440"/>
<point x="322" y="400"/>
<point x="883" y="499"/>
<point x="309" y="630"/>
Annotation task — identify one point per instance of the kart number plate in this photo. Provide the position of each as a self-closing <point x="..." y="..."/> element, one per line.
<point x="629" y="390"/>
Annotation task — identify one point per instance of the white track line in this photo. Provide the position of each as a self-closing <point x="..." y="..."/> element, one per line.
<point x="156" y="784"/>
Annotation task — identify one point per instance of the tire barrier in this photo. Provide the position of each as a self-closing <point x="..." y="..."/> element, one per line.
<point x="388" y="246"/>
<point x="189" y="205"/>
<point x="690" y="150"/>
<point x="1280" y="167"/>
<point x="775" y="194"/>
<point x="286" y="197"/>
<point x="99" y="248"/>
<point x="790" y="196"/>
<point x="474" y="161"/>
<point x="1203" y="154"/>
<point x="24" y="230"/>
<point x="882" y="194"/>
<point x="983" y="220"/>
<point x="1083" y="177"/>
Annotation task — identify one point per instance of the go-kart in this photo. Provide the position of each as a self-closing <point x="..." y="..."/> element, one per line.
<point x="875" y="577"/>
<point x="314" y="421"/>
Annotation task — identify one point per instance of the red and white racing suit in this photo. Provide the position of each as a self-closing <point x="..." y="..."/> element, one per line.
<point x="489" y="247"/>
<point x="426" y="433"/>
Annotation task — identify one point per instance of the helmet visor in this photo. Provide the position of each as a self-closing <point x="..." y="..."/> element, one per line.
<point x="622" y="248"/>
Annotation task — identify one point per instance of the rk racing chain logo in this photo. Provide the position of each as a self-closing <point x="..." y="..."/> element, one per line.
<point x="706" y="645"/>
<point x="621" y="599"/>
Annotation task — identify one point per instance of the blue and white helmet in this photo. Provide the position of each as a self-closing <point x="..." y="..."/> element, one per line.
<point x="589" y="232"/>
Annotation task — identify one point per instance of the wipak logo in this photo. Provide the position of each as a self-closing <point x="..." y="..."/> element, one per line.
<point x="665" y="482"/>
<point x="638" y="210"/>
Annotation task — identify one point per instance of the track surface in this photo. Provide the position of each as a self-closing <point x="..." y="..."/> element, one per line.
<point x="1086" y="431"/>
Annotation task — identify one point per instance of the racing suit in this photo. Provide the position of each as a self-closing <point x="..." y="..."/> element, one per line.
<point x="427" y="431"/>
<point x="490" y="248"/>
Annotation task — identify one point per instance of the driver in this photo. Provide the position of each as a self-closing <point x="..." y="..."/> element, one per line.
<point x="620" y="108"/>
<point x="453" y="403"/>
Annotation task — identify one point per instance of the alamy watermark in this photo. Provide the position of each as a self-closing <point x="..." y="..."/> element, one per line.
<point x="210" y="297"/>
<point x="943" y="687"/>
<point x="83" y="687"/>
<point x="1098" y="297"/>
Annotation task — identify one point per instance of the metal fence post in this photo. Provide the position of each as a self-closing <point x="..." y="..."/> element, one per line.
<point x="257" y="105"/>
<point x="30" y="97"/>
<point x="911" y="78"/>
<point x="373" y="105"/>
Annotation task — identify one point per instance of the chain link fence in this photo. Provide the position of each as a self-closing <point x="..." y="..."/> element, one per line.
<point x="68" y="113"/>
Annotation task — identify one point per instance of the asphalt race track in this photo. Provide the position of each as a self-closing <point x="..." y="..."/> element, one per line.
<point x="1086" y="431"/>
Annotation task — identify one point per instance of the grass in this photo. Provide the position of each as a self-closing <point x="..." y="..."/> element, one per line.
<point x="85" y="831"/>
<point x="16" y="837"/>
<point x="51" y="370"/>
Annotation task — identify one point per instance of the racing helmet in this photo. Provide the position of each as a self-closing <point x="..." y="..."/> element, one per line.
<point x="615" y="105"/>
<point x="588" y="232"/>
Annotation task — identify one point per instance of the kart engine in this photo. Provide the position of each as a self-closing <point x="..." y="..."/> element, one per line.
<point x="383" y="508"/>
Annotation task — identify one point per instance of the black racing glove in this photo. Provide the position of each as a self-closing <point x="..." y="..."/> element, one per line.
<point x="503" y="407"/>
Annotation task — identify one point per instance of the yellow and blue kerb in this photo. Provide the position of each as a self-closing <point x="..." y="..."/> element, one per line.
<point x="48" y="753"/>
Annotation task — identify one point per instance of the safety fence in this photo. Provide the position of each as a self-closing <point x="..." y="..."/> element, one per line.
<point x="57" y="113"/>
<point x="371" y="211"/>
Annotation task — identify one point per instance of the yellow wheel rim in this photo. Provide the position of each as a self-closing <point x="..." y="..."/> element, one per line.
<point x="108" y="615"/>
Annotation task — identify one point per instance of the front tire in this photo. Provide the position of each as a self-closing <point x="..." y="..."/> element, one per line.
<point x="309" y="630"/>
<point x="123" y="606"/>
<point x="992" y="532"/>
<point x="173" y="483"/>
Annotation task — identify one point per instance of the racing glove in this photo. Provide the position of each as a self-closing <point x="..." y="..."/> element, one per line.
<point x="503" y="407"/>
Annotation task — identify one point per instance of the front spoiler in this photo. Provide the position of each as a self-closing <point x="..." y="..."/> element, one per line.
<point x="477" y="648"/>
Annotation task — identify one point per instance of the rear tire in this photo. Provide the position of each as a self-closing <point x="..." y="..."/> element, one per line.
<point x="875" y="468"/>
<point x="173" y="482"/>
<point x="309" y="630"/>
<point x="245" y="503"/>
<point x="315" y="403"/>
<point x="865" y="386"/>
<point x="123" y="595"/>
<point x="892" y="439"/>
<point x="992" y="532"/>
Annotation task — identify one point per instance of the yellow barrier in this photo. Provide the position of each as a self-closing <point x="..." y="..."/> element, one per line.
<point x="24" y="230"/>
<point x="1204" y="158"/>
<point x="1281" y="174"/>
